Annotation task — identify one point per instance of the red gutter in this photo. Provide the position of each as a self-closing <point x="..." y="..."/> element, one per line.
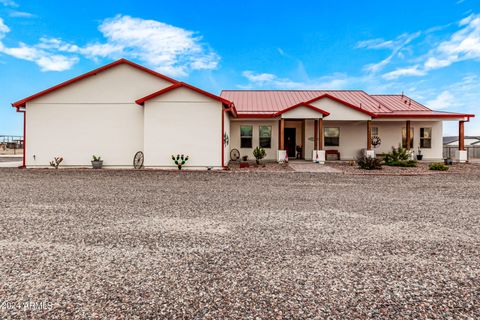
<point x="413" y="115"/>
<point x="23" y="166"/>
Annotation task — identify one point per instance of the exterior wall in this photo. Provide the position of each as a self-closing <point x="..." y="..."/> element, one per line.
<point x="309" y="136"/>
<point x="226" y="146"/>
<point x="391" y="134"/>
<point x="353" y="137"/>
<point x="339" y="111"/>
<point x="183" y="121"/>
<point x="95" y="116"/>
<point x="235" y="137"/>
<point x="302" y="113"/>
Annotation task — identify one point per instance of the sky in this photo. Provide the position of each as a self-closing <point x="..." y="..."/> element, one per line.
<point x="430" y="50"/>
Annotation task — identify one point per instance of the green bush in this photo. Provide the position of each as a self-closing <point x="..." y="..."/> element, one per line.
<point x="259" y="154"/>
<point x="368" y="163"/>
<point x="402" y="163"/>
<point x="438" y="167"/>
<point x="397" y="154"/>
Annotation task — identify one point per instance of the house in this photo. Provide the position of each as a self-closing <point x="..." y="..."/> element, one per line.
<point x="122" y="108"/>
<point x="469" y="141"/>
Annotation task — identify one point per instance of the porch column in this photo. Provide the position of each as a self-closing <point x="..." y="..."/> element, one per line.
<point x="408" y="135"/>
<point x="315" y="134"/>
<point x="369" y="134"/>
<point x="320" y="134"/>
<point x="461" y="135"/>
<point x="281" y="128"/>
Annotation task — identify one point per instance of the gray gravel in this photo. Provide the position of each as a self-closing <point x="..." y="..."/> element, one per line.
<point x="149" y="244"/>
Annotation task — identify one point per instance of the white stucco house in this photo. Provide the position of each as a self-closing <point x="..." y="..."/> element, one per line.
<point x="122" y="108"/>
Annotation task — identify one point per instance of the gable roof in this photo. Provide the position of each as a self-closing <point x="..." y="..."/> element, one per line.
<point x="177" y="85"/>
<point x="21" y="103"/>
<point x="268" y="103"/>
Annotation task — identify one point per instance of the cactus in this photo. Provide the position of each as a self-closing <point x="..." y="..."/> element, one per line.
<point x="180" y="160"/>
<point x="56" y="162"/>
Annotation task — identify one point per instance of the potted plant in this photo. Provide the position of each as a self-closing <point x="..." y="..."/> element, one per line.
<point x="97" y="162"/>
<point x="448" y="161"/>
<point x="244" y="158"/>
<point x="419" y="154"/>
<point x="259" y="154"/>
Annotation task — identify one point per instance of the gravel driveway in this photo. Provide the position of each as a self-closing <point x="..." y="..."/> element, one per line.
<point x="150" y="244"/>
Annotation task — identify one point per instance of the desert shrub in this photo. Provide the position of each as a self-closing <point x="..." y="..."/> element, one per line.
<point x="402" y="163"/>
<point x="397" y="154"/>
<point x="259" y="154"/>
<point x="438" y="167"/>
<point x="56" y="162"/>
<point x="368" y="163"/>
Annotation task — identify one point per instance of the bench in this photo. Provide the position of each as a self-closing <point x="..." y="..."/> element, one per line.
<point x="332" y="155"/>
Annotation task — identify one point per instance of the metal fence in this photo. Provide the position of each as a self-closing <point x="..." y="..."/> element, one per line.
<point x="473" y="152"/>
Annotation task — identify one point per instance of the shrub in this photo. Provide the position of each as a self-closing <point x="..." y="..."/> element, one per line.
<point x="368" y="163"/>
<point x="402" y="163"/>
<point x="180" y="160"/>
<point x="56" y="162"/>
<point x="96" y="158"/>
<point x="397" y="154"/>
<point x="438" y="167"/>
<point x="259" y="154"/>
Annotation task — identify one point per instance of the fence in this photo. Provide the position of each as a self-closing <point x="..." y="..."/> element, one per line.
<point x="472" y="151"/>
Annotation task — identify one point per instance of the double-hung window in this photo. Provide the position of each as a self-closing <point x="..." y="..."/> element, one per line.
<point x="332" y="137"/>
<point x="246" y="135"/>
<point x="426" y="138"/>
<point x="265" y="136"/>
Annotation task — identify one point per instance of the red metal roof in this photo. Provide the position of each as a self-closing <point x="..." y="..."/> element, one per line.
<point x="269" y="103"/>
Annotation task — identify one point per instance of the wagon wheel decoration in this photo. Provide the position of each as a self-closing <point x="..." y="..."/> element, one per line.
<point x="376" y="141"/>
<point x="138" y="160"/>
<point x="234" y="155"/>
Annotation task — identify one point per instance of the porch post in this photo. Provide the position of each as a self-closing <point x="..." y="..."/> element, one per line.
<point x="408" y="135"/>
<point x="281" y="127"/>
<point x="461" y="135"/>
<point x="315" y="135"/>
<point x="320" y="134"/>
<point x="369" y="134"/>
<point x="461" y="154"/>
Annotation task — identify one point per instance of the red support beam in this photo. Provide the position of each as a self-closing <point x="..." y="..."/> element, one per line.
<point x="315" y="135"/>
<point x="369" y="134"/>
<point x="320" y="134"/>
<point x="408" y="134"/>
<point x="281" y="128"/>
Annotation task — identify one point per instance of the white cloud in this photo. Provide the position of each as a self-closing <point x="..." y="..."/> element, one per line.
<point x="272" y="81"/>
<point x="442" y="101"/>
<point x="21" y="14"/>
<point x="401" y="72"/>
<point x="9" y="3"/>
<point x="166" y="48"/>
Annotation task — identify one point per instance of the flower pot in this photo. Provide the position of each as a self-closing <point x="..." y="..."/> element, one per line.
<point x="97" y="164"/>
<point x="419" y="157"/>
<point x="448" y="162"/>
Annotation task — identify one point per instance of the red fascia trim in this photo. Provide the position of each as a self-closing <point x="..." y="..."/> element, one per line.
<point x="256" y="115"/>
<point x="413" y="115"/>
<point x="185" y="85"/>
<point x="326" y="95"/>
<point x="302" y="104"/>
<point x="22" y="102"/>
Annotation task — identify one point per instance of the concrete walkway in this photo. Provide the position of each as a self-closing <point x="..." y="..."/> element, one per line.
<point x="10" y="161"/>
<point x="308" y="166"/>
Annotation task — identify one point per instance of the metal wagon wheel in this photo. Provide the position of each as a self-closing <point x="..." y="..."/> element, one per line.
<point x="234" y="155"/>
<point x="138" y="160"/>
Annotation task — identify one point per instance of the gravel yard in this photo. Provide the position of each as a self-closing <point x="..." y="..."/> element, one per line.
<point x="151" y="244"/>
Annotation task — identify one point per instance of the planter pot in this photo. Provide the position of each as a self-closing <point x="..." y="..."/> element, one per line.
<point x="97" y="164"/>
<point x="245" y="158"/>
<point x="448" y="162"/>
<point x="419" y="157"/>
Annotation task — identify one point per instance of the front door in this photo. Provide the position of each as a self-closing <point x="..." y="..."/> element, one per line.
<point x="290" y="141"/>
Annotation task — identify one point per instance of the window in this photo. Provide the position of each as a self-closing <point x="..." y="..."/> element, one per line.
<point x="404" y="138"/>
<point x="246" y="136"/>
<point x="332" y="137"/>
<point x="374" y="131"/>
<point x="265" y="136"/>
<point x="426" y="138"/>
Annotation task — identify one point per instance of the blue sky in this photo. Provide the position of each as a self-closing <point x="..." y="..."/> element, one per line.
<point x="428" y="49"/>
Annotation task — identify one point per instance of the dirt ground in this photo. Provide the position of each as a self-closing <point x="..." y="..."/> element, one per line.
<point x="261" y="245"/>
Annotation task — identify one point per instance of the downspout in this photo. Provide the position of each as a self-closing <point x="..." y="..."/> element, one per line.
<point x="229" y="109"/>
<point x="23" y="166"/>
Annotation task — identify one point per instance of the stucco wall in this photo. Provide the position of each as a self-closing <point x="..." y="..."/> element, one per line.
<point x="183" y="122"/>
<point x="339" y="111"/>
<point x="235" y="137"/>
<point x="96" y="115"/>
<point x="302" y="113"/>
